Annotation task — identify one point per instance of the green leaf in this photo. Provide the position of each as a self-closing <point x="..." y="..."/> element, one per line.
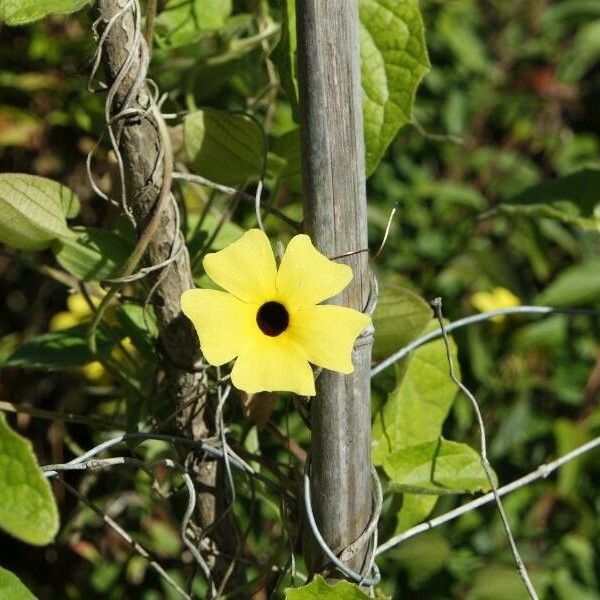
<point x="575" y="286"/>
<point x="569" y="435"/>
<point x="58" y="350"/>
<point x="573" y="199"/>
<point x="142" y="331"/>
<point x="541" y="211"/>
<point x="438" y="467"/>
<point x="33" y="211"/>
<point x="422" y="556"/>
<point x="27" y="507"/>
<point x="18" y="12"/>
<point x="11" y="587"/>
<point x="400" y="317"/>
<point x="225" y="147"/>
<point x="317" y="589"/>
<point x="497" y="583"/>
<point x="416" y="409"/>
<point x="182" y="21"/>
<point x="415" y="509"/>
<point x="94" y="255"/>
<point x="393" y="62"/>
<point x="284" y="55"/>
<point x="583" y="54"/>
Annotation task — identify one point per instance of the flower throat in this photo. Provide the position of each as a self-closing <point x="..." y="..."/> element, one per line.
<point x="272" y="318"/>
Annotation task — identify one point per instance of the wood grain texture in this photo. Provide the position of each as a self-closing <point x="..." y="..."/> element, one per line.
<point x="336" y="219"/>
<point x="140" y="148"/>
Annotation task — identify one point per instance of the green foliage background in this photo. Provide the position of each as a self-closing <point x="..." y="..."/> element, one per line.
<point x="497" y="185"/>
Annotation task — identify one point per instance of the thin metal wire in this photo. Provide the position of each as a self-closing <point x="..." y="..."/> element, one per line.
<point x="193" y="178"/>
<point x="344" y="569"/>
<point x="471" y="320"/>
<point x="542" y="472"/>
<point x="437" y="305"/>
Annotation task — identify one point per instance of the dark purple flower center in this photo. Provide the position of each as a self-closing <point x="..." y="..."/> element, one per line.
<point x="272" y="318"/>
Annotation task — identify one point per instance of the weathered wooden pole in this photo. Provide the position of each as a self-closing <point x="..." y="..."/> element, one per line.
<point x="141" y="146"/>
<point x="336" y="219"/>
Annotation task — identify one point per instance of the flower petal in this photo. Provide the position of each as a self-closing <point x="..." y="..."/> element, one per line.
<point x="224" y="324"/>
<point x="245" y="268"/>
<point x="273" y="364"/>
<point x="327" y="334"/>
<point x="306" y="276"/>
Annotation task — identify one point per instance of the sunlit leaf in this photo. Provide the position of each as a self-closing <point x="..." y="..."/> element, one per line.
<point x="415" y="509"/>
<point x="400" y="317"/>
<point x="18" y="12"/>
<point x="11" y="587"/>
<point x="393" y="62"/>
<point x="416" y="409"/>
<point x="33" y="211"/>
<point x="436" y="467"/>
<point x="180" y="22"/>
<point x="317" y="589"/>
<point x="27" y="507"/>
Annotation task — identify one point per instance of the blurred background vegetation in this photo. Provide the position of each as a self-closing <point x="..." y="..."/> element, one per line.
<point x="508" y="126"/>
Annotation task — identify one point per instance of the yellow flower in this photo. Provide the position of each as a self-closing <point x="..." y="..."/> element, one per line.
<point x="270" y="318"/>
<point x="499" y="297"/>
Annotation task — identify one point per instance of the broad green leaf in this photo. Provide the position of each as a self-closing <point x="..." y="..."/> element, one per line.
<point x="58" y="350"/>
<point x="225" y="147"/>
<point x="94" y="255"/>
<point x="27" y="507"/>
<point x="182" y="21"/>
<point x="437" y="467"/>
<point x="18" y="12"/>
<point x="11" y="587"/>
<point x="575" y="286"/>
<point x="400" y="317"/>
<point x="33" y="211"/>
<point x="415" y="509"/>
<point x="317" y="589"/>
<point x="416" y="409"/>
<point x="393" y="62"/>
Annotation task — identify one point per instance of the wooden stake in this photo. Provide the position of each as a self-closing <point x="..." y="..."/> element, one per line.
<point x="336" y="219"/>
